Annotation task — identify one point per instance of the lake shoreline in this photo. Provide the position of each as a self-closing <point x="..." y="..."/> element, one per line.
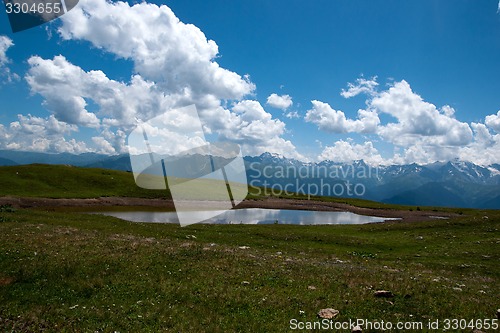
<point x="267" y="203"/>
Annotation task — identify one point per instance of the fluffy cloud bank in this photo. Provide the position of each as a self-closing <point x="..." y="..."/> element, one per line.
<point x="348" y="151"/>
<point x="174" y="65"/>
<point x="418" y="122"/>
<point x="40" y="134"/>
<point x="257" y="132"/>
<point x="5" y="73"/>
<point x="493" y="121"/>
<point x="5" y="44"/>
<point x="162" y="48"/>
<point x="422" y="132"/>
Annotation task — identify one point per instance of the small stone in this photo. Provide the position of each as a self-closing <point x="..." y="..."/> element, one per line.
<point x="311" y="287"/>
<point x="328" y="313"/>
<point x="245" y="283"/>
<point x="244" y="247"/>
<point x="383" y="294"/>
<point x="357" y="329"/>
<point x="498" y="314"/>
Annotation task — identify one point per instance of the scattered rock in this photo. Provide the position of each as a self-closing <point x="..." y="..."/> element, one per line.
<point x="311" y="287"/>
<point x="357" y="329"/>
<point x="244" y="247"/>
<point x="245" y="283"/>
<point x="383" y="294"/>
<point x="191" y="237"/>
<point x="6" y="281"/>
<point x="328" y="313"/>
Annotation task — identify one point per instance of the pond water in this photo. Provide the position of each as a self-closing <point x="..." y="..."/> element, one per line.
<point x="254" y="216"/>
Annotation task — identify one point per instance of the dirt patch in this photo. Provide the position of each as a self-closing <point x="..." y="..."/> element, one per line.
<point x="93" y="202"/>
<point x="269" y="203"/>
<point x="6" y="281"/>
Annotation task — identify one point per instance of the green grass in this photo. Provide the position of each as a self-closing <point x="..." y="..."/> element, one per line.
<point x="76" y="272"/>
<point x="61" y="181"/>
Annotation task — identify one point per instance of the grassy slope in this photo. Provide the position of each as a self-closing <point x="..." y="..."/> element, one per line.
<point x="60" y="181"/>
<point x="77" y="272"/>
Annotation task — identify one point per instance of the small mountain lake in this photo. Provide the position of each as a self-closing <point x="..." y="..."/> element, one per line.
<point x="253" y="216"/>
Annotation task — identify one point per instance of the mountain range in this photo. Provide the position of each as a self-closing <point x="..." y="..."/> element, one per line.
<point x="452" y="184"/>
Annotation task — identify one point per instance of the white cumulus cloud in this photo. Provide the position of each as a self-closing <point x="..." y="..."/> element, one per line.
<point x="282" y="102"/>
<point x="418" y="121"/>
<point x="330" y="120"/>
<point x="493" y="121"/>
<point x="32" y="133"/>
<point x="5" y="72"/>
<point x="163" y="48"/>
<point x="484" y="149"/>
<point x="348" y="151"/>
<point x="422" y="132"/>
<point x="5" y="44"/>
<point x="255" y="129"/>
<point x="174" y="65"/>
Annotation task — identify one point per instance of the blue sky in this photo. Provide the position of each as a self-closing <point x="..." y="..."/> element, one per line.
<point x="385" y="81"/>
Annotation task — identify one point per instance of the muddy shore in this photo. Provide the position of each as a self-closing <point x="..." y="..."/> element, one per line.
<point x="269" y="203"/>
